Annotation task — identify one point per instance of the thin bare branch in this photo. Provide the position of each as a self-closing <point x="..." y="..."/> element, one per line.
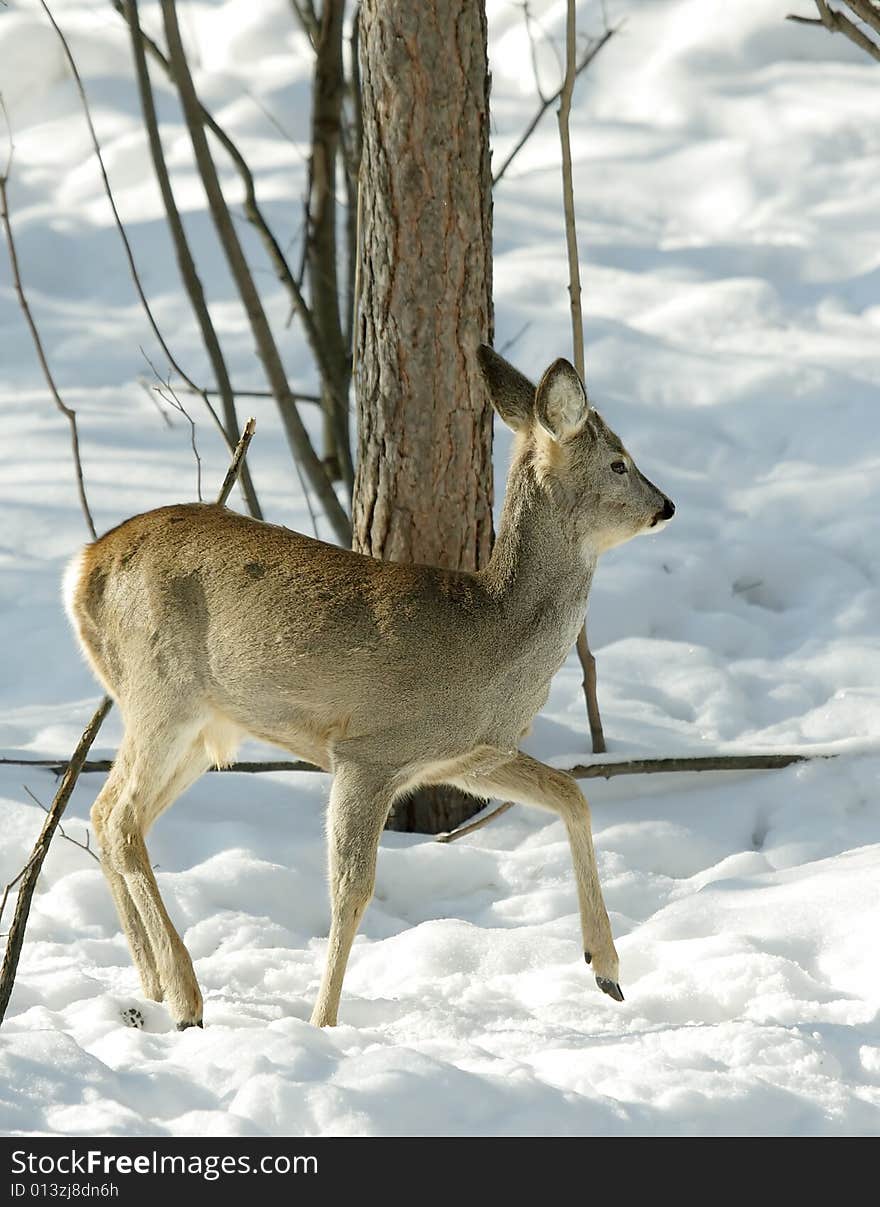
<point x="308" y="19"/>
<point x="564" y="113"/>
<point x="585" y="771"/>
<point x="533" y="50"/>
<point x="588" y="662"/>
<point x="69" y="414"/>
<point x="11" y="151"/>
<point x="83" y="846"/>
<point x="469" y="827"/>
<point x="242" y="393"/>
<point x="15" y="938"/>
<point x="837" y="22"/>
<point x="275" y="122"/>
<point x="590" y="685"/>
<point x="237" y="460"/>
<point x="166" y="392"/>
<point x="580" y="67"/>
<point x="154" y="401"/>
<point x="301" y="446"/>
<point x="185" y="262"/>
<point x="11" y="885"/>
<point x="508" y="344"/>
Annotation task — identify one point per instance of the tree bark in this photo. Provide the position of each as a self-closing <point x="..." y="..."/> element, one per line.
<point x="423" y="488"/>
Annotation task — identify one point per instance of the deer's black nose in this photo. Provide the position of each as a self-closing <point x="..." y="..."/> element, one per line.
<point x="668" y="510"/>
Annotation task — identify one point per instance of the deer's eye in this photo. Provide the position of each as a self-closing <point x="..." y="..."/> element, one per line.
<point x="619" y="467"/>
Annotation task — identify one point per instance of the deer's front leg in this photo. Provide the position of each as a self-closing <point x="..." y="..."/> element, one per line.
<point x="530" y="782"/>
<point x="359" y="805"/>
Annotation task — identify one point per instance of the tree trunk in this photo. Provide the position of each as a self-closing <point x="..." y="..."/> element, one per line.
<point x="423" y="489"/>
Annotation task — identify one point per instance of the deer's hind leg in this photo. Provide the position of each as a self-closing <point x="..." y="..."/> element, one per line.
<point x="530" y="782"/>
<point x="156" y="763"/>
<point x="132" y="927"/>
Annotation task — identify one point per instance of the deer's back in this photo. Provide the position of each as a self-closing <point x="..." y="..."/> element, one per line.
<point x="280" y="632"/>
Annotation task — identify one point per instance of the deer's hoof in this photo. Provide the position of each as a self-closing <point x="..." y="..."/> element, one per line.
<point x="610" y="987"/>
<point x="184" y="1026"/>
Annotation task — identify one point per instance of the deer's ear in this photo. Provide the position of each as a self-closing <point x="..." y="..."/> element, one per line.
<point x="561" y="404"/>
<point x="512" y="394"/>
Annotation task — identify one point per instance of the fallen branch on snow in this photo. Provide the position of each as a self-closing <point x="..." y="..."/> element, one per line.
<point x="581" y="771"/>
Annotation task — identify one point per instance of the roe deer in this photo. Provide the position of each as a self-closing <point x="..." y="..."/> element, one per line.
<point x="206" y="626"/>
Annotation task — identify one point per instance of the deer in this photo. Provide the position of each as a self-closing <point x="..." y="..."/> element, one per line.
<point x="207" y="626"/>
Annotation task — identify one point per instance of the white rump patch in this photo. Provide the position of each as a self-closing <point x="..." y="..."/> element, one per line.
<point x="69" y="584"/>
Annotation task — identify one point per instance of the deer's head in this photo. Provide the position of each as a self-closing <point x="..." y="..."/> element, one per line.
<point x="600" y="494"/>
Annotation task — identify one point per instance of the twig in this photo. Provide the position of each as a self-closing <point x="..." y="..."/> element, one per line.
<point x="469" y="827"/>
<point x="154" y="401"/>
<point x="533" y="50"/>
<point x="296" y="394"/>
<point x="301" y="446"/>
<point x="69" y="414"/>
<point x="166" y="392"/>
<point x="237" y="459"/>
<point x="274" y="122"/>
<point x="185" y="263"/>
<point x="582" y="771"/>
<point x="308" y="19"/>
<point x="590" y="683"/>
<point x="588" y="662"/>
<point x="31" y="873"/>
<point x="11" y="885"/>
<point x="581" y="66"/>
<point x="505" y="347"/>
<point x="83" y="846"/>
<point x="837" y="22"/>
<point x="564" y="112"/>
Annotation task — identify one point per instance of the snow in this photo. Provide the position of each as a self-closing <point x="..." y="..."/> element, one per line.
<point x="728" y="185"/>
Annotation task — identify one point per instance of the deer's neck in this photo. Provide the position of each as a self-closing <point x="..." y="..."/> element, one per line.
<point x="539" y="574"/>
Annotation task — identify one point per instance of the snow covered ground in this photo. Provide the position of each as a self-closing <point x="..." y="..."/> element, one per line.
<point x="728" y="190"/>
